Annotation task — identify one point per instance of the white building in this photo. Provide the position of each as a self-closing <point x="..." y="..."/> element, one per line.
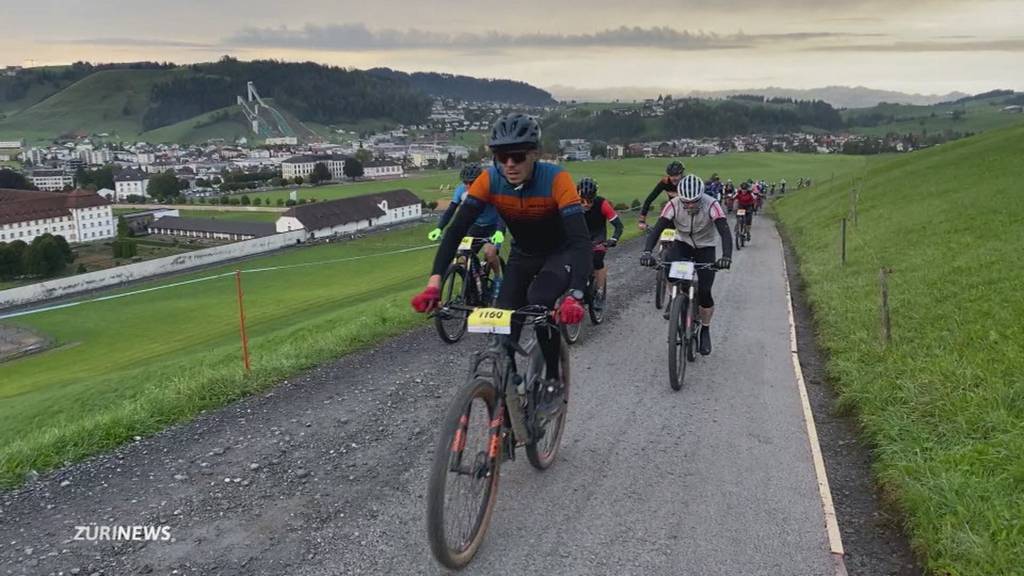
<point x="130" y="183"/>
<point x="282" y="141"/>
<point x="303" y="166"/>
<point x="381" y="170"/>
<point x="96" y="157"/>
<point x="51" y="180"/>
<point x="11" y="143"/>
<point x="79" y="216"/>
<point x="347" y="215"/>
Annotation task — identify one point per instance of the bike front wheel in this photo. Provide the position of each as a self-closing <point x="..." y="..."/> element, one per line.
<point x="451" y="324"/>
<point x="659" y="290"/>
<point x="571" y="332"/>
<point x="677" y="342"/>
<point x="463" y="485"/>
<point x="597" y="316"/>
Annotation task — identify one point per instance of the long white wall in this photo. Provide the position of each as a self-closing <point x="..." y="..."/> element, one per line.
<point x="120" y="274"/>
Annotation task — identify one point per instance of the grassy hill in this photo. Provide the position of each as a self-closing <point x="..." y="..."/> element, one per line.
<point x="943" y="404"/>
<point x="972" y="116"/>
<point x="109" y="101"/>
<point x="228" y="123"/>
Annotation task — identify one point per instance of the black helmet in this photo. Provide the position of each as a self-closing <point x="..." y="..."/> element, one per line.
<point x="675" y="168"/>
<point x="715" y="178"/>
<point x="470" y="172"/>
<point x="587" y="188"/>
<point x="515" y="131"/>
<point x="745" y="186"/>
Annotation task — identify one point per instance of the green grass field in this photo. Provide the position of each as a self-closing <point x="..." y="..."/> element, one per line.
<point x="134" y="365"/>
<point x="943" y="405"/>
<point x="204" y="127"/>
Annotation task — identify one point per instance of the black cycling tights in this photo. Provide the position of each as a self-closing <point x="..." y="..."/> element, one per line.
<point x="536" y="280"/>
<point x="705" y="276"/>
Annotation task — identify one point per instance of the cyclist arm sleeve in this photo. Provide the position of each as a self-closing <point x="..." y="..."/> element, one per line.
<point x="723" y="230"/>
<point x="447" y="216"/>
<point x="577" y="233"/>
<point x="464" y="218"/>
<point x="501" y="225"/>
<point x="580" y="258"/>
<point x="650" y="200"/>
<point x="617" y="224"/>
<point x="655" y="233"/>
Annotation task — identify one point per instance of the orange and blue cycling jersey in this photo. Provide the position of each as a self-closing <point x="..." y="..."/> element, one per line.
<point x="533" y="211"/>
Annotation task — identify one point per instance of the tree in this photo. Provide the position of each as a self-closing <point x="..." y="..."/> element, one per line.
<point x="164" y="186"/>
<point x="353" y="168"/>
<point x="280" y="202"/>
<point x="320" y="173"/>
<point x="363" y="155"/>
<point x="245" y="200"/>
<point x="123" y="230"/>
<point x="12" y="258"/>
<point x="257" y="201"/>
<point x="44" y="257"/>
<point x="299" y="180"/>
<point x="14" y="180"/>
<point x="124" y="248"/>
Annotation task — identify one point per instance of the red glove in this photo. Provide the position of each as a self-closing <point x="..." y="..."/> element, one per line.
<point x="570" y="312"/>
<point x="427" y="300"/>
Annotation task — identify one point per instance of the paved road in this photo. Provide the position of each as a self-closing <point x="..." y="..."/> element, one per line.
<point x="327" y="474"/>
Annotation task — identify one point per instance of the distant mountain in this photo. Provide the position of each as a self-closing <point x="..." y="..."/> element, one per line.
<point x="838" y="96"/>
<point x="469" y="88"/>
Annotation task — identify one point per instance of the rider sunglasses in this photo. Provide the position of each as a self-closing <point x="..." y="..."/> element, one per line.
<point x="517" y="157"/>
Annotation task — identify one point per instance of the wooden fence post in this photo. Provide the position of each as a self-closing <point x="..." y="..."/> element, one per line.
<point x="843" y="242"/>
<point x="241" y="321"/>
<point x="886" y="323"/>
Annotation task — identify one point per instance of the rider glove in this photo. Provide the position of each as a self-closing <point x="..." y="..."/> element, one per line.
<point x="723" y="263"/>
<point x="434" y="234"/>
<point x="427" y="300"/>
<point x="498" y="237"/>
<point x="646" y="259"/>
<point x="570" y="311"/>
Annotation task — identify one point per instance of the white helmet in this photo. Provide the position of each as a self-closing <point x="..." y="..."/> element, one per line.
<point x="690" y="188"/>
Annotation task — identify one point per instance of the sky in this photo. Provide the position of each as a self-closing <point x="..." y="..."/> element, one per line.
<point x="667" y="46"/>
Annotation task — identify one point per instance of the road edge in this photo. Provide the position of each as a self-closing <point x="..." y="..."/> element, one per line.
<point x="835" y="540"/>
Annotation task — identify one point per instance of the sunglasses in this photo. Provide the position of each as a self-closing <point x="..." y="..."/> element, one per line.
<point x="517" y="157"/>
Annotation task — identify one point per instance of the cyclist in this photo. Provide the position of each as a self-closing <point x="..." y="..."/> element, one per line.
<point x="597" y="210"/>
<point x="714" y="187"/>
<point x="782" y="187"/>
<point x="729" y="192"/>
<point x="668" y="184"/>
<point x="746" y="200"/>
<point x="487" y="225"/>
<point x="551" y="253"/>
<point x="695" y="217"/>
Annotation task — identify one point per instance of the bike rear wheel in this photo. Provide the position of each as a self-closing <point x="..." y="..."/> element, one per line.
<point x="463" y="485"/>
<point x="677" y="340"/>
<point x="739" y="236"/>
<point x="691" y="332"/>
<point x="597" y="316"/>
<point x="571" y="332"/>
<point x="451" y="325"/>
<point x="541" y="453"/>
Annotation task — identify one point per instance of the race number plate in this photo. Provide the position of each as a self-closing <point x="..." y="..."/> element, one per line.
<point x="466" y="244"/>
<point x="490" y="321"/>
<point x="741" y="212"/>
<point x="668" y="235"/>
<point x="681" y="271"/>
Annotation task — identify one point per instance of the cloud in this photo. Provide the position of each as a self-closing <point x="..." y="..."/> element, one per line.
<point x="140" y="42"/>
<point x="358" y="37"/>
<point x="1007" y="45"/>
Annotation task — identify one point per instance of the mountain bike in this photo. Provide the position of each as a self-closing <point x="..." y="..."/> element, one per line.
<point x="660" y="286"/>
<point x="571" y="332"/>
<point x="683" y="326"/>
<point x="493" y="414"/>
<point x="742" y="230"/>
<point x="467" y="282"/>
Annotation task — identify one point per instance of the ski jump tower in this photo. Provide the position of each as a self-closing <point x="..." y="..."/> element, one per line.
<point x="251" y="108"/>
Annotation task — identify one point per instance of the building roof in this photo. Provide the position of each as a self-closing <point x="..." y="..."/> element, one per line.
<point x="217" y="226"/>
<point x="307" y="158"/>
<point x="130" y="175"/>
<point x="26" y="205"/>
<point x="43" y="173"/>
<point x="347" y="210"/>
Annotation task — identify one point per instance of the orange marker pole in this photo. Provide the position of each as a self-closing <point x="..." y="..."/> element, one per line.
<point x="241" y="321"/>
